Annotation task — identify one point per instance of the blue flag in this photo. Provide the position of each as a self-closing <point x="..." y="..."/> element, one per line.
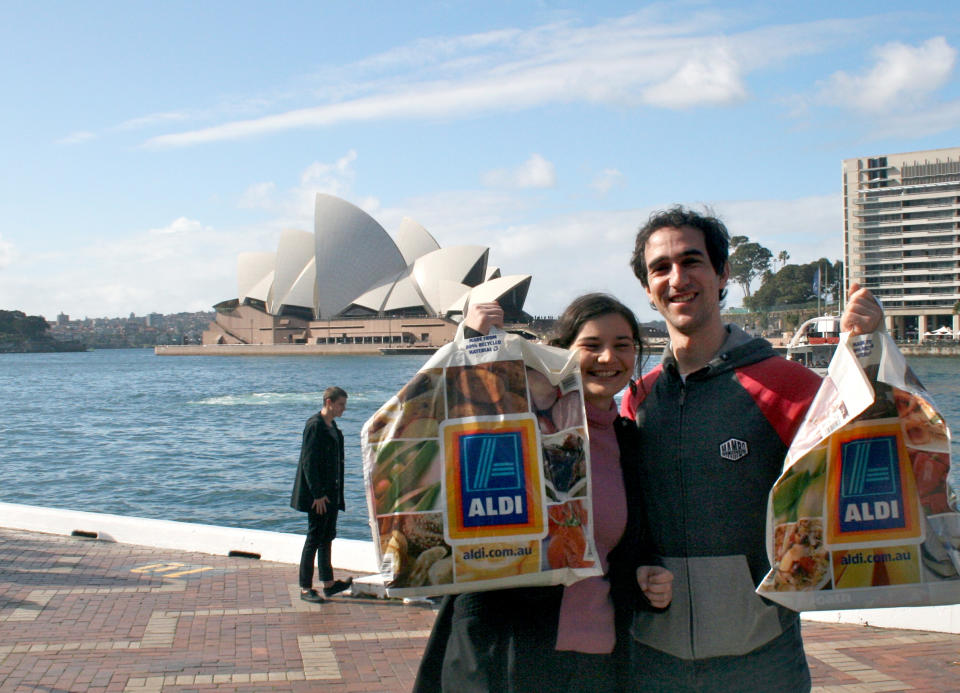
<point x="816" y="282"/>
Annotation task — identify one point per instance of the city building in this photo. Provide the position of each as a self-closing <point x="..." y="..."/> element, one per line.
<point x="901" y="238"/>
<point x="349" y="286"/>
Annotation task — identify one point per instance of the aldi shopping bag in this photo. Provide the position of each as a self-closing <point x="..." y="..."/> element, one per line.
<point x="865" y="514"/>
<point x="477" y="472"/>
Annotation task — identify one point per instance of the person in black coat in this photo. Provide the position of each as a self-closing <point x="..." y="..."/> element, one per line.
<point x="318" y="491"/>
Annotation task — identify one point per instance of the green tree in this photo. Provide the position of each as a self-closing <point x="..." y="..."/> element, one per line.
<point x="782" y="258"/>
<point x="34" y="327"/>
<point x="748" y="261"/>
<point x="19" y="324"/>
<point x="793" y="284"/>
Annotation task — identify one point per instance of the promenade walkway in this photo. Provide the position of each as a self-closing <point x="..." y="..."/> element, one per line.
<point x="87" y="615"/>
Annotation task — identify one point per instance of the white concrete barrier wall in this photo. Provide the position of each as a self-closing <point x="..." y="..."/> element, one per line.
<point x="942" y="619"/>
<point x="349" y="554"/>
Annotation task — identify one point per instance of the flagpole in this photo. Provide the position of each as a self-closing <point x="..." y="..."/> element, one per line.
<point x="826" y="282"/>
<point x="819" y="282"/>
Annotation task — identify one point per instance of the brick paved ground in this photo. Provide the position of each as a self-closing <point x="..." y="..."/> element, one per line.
<point x="86" y="615"/>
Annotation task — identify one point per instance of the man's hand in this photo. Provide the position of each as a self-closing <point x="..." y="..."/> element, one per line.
<point x="482" y="316"/>
<point x="656" y="583"/>
<point x="320" y="505"/>
<point x="863" y="313"/>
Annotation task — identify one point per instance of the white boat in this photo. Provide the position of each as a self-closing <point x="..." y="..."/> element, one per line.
<point x="814" y="342"/>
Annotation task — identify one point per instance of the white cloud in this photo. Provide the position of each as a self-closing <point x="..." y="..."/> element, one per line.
<point x="932" y="119"/>
<point x="574" y="253"/>
<point x="7" y="252"/>
<point x="713" y="77"/>
<point x="607" y="179"/>
<point x="639" y="59"/>
<point x="189" y="265"/>
<point x="180" y="226"/>
<point x="154" y="119"/>
<point x="77" y="137"/>
<point x="186" y="265"/>
<point x="900" y="74"/>
<point x="334" y="179"/>
<point x="258" y="196"/>
<point x="535" y="172"/>
<point x="293" y="208"/>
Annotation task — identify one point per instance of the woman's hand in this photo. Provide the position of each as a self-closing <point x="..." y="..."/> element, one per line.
<point x="656" y="582"/>
<point x="482" y="316"/>
<point x="863" y="313"/>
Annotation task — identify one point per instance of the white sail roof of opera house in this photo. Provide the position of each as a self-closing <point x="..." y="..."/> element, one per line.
<point x="350" y="266"/>
<point x="255" y="275"/>
<point x="510" y="292"/>
<point x="295" y="271"/>
<point x="447" y="274"/>
<point x="353" y="251"/>
<point x="414" y="241"/>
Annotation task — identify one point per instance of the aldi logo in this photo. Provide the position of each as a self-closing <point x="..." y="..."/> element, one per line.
<point x="871" y="495"/>
<point x="492" y="479"/>
<point x="871" y="491"/>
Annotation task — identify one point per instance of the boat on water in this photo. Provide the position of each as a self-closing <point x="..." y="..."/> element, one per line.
<point x="814" y="342"/>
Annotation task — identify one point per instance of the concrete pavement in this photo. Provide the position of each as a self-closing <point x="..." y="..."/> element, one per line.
<point x="79" y="614"/>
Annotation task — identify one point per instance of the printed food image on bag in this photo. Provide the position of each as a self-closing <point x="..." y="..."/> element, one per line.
<point x="865" y="512"/>
<point x="415" y="412"/>
<point x="413" y="546"/>
<point x="478" y="471"/>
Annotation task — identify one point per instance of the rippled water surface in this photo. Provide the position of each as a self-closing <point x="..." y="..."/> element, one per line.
<point x="190" y="438"/>
<point x="209" y="439"/>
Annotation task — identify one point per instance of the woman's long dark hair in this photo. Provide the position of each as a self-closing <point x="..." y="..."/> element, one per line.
<point x="589" y="307"/>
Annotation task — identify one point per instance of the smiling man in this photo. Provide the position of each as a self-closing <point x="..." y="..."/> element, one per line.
<point x="716" y="418"/>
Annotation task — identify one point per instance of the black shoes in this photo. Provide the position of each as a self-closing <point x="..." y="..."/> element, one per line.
<point x="337" y="587"/>
<point x="312" y="596"/>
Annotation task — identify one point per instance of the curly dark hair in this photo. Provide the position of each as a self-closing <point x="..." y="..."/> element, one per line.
<point x="715" y="237"/>
<point x="589" y="307"/>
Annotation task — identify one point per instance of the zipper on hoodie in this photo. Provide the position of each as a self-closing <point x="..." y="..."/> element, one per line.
<point x="683" y="512"/>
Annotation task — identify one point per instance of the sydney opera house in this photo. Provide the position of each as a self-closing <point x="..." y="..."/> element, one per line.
<point x="349" y="286"/>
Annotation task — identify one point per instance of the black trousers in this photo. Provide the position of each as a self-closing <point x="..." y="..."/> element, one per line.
<point x="780" y="666"/>
<point x="321" y="531"/>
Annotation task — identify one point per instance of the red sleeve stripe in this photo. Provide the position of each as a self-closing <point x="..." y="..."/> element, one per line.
<point x="783" y="391"/>
<point x="636" y="393"/>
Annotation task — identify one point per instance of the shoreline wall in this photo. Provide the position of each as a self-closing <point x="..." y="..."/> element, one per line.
<point x="266" y="349"/>
<point x="348" y="554"/>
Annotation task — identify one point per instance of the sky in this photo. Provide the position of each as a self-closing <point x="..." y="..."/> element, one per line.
<point x="144" y="145"/>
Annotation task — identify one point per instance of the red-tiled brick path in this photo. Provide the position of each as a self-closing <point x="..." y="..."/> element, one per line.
<point x="85" y="615"/>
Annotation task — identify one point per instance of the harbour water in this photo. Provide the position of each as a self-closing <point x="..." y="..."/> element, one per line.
<point x="210" y="440"/>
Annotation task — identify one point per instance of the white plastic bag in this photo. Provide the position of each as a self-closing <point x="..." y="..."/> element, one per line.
<point x="478" y="471"/>
<point x="864" y="514"/>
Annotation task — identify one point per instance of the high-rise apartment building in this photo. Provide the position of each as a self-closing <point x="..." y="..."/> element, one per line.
<point x="901" y="236"/>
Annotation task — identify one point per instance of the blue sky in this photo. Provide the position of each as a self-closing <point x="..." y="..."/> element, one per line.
<point x="146" y="144"/>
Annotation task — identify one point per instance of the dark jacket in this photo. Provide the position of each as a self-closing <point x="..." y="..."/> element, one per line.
<point x="505" y="638"/>
<point x="710" y="450"/>
<point x="320" y="469"/>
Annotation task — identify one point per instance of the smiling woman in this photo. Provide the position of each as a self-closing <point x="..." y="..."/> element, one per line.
<point x="607" y="335"/>
<point x="564" y="638"/>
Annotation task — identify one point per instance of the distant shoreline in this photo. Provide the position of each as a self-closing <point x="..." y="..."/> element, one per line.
<point x="947" y="350"/>
<point x="286" y="350"/>
<point x="46" y="346"/>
